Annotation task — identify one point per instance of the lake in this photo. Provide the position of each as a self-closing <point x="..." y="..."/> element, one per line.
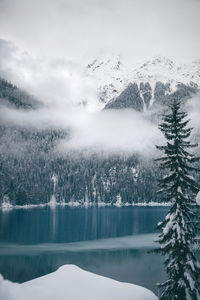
<point x="109" y="241"/>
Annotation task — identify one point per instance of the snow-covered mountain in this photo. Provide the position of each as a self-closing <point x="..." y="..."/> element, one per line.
<point x="111" y="76"/>
<point x="165" y="70"/>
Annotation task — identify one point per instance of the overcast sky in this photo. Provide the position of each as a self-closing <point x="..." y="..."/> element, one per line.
<point x="77" y="29"/>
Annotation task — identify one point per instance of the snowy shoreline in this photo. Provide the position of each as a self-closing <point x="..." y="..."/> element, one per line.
<point x="62" y="284"/>
<point x="74" y="204"/>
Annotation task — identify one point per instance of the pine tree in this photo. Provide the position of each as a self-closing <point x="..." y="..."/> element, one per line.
<point x="179" y="228"/>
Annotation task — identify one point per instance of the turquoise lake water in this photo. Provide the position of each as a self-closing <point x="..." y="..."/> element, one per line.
<point x="109" y="241"/>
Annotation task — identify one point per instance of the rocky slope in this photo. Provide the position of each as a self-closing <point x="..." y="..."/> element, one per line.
<point x="144" y="97"/>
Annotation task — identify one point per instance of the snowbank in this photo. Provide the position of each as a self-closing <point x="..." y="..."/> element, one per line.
<point x="71" y="283"/>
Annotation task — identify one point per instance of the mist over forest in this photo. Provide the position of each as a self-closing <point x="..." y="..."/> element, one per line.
<point x="107" y="152"/>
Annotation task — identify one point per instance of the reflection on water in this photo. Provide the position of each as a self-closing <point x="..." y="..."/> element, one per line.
<point x="45" y="225"/>
<point x="108" y="241"/>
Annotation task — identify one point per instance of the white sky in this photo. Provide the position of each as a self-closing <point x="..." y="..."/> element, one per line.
<point x="77" y="29"/>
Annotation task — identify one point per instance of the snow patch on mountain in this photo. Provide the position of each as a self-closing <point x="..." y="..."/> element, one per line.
<point x="109" y="76"/>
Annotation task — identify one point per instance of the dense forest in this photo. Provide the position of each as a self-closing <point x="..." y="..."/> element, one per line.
<point x="28" y="160"/>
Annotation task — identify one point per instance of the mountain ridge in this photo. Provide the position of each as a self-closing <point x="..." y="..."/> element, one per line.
<point x="111" y="76"/>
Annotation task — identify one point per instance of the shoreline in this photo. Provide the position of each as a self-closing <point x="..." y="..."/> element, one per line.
<point x="85" y="205"/>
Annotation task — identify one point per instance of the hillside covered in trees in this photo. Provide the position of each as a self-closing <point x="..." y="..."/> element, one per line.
<point x="28" y="160"/>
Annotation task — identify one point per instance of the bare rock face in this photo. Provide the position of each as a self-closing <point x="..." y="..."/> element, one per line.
<point x="143" y="97"/>
<point x="129" y="98"/>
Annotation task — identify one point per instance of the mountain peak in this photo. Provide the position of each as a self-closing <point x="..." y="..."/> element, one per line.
<point x="112" y="76"/>
<point x="162" y="60"/>
<point x="113" y="63"/>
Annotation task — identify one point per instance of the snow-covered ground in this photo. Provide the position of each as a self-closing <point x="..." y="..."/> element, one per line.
<point x="72" y="283"/>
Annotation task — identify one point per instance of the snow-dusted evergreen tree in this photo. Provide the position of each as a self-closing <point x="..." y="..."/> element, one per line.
<point x="179" y="228"/>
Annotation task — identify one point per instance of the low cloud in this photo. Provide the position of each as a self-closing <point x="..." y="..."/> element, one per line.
<point x="110" y="131"/>
<point x="114" y="131"/>
<point x="107" y="131"/>
<point x="56" y="82"/>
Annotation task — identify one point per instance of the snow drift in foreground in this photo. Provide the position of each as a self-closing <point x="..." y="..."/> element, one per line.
<point x="72" y="283"/>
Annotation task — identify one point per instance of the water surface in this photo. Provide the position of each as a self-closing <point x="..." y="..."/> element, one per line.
<point x="109" y="241"/>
